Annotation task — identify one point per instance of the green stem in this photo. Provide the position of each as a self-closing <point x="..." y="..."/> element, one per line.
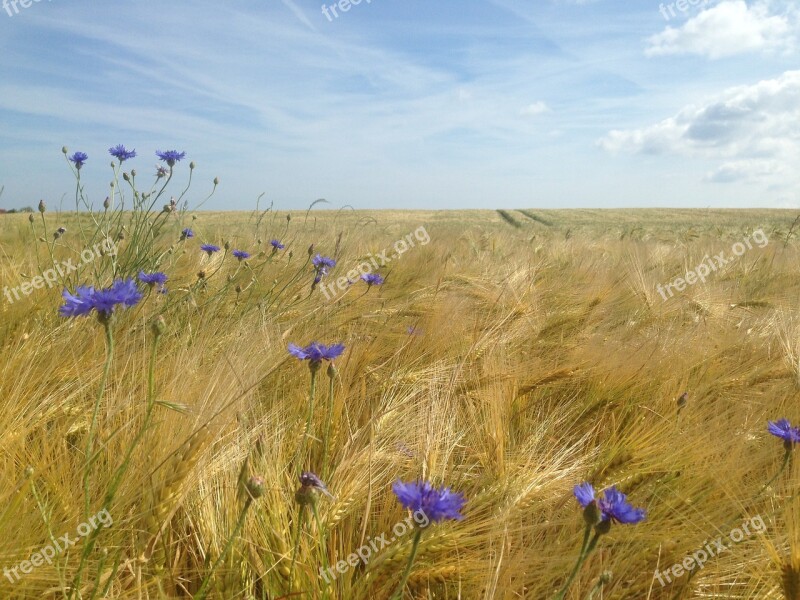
<point x="117" y="478"/>
<point x="328" y="422"/>
<point x="95" y="412"/>
<point x="201" y="593"/>
<point x="786" y="458"/>
<point x="398" y="595"/>
<point x="585" y="552"/>
<point x="145" y="424"/>
<point x="322" y="545"/>
<point x="47" y="522"/>
<point x="312" y="392"/>
<point x="597" y="587"/>
<point x="296" y="546"/>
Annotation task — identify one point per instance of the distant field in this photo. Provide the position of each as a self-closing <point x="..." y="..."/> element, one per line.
<point x="508" y="355"/>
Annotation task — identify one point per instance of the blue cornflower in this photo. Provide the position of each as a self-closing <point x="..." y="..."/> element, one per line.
<point x="584" y="494"/>
<point x="784" y="430"/>
<point x="210" y="248"/>
<point x="153" y="279"/>
<point x="186" y="234"/>
<point x="170" y="156"/>
<point x="321" y="266"/>
<point x="121" y="153"/>
<point x="613" y="506"/>
<point x="310" y="486"/>
<point x="78" y="158"/>
<point x="372" y="279"/>
<point x="277" y="245"/>
<point x="312" y="480"/>
<point x="316" y="352"/>
<point x="323" y="263"/>
<point x="437" y="504"/>
<point x="87" y="298"/>
<point x="241" y="254"/>
<point x="79" y="304"/>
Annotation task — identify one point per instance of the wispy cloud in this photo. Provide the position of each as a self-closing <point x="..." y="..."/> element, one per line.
<point x="299" y="14"/>
<point x="399" y="104"/>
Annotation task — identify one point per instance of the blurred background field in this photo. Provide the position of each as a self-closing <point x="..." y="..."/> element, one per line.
<point x="510" y="357"/>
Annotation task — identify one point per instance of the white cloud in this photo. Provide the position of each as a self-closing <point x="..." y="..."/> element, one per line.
<point x="727" y="29"/>
<point x="537" y="108"/>
<point x="746" y="171"/>
<point x="753" y="130"/>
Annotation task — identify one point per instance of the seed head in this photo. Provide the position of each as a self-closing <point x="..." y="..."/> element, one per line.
<point x="256" y="487"/>
<point x="159" y="326"/>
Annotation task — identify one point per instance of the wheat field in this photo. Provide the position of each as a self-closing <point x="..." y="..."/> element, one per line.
<point x="508" y="355"/>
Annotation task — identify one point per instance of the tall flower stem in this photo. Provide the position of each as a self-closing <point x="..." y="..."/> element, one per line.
<point x="328" y="421"/>
<point x="311" y="394"/>
<point x="296" y="546"/>
<point x="120" y="472"/>
<point x="50" y="246"/>
<point x="398" y="595"/>
<point x="93" y="425"/>
<point x="323" y="549"/>
<point x="203" y="591"/>
<point x="787" y="456"/>
<point x="148" y="415"/>
<point x="106" y="321"/>
<point x="585" y="552"/>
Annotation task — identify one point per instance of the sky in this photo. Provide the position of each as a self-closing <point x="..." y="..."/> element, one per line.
<point x="443" y="104"/>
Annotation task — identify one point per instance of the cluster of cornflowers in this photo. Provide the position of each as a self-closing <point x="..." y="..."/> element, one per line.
<point x="600" y="511"/>
<point x="170" y="157"/>
<point x="419" y="497"/>
<point x="322" y="266"/>
<point x="240" y="255"/>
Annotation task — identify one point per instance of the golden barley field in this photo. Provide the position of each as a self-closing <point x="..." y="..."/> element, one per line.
<point x="508" y="356"/>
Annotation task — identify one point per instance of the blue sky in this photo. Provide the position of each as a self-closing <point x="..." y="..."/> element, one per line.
<point x="410" y="104"/>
